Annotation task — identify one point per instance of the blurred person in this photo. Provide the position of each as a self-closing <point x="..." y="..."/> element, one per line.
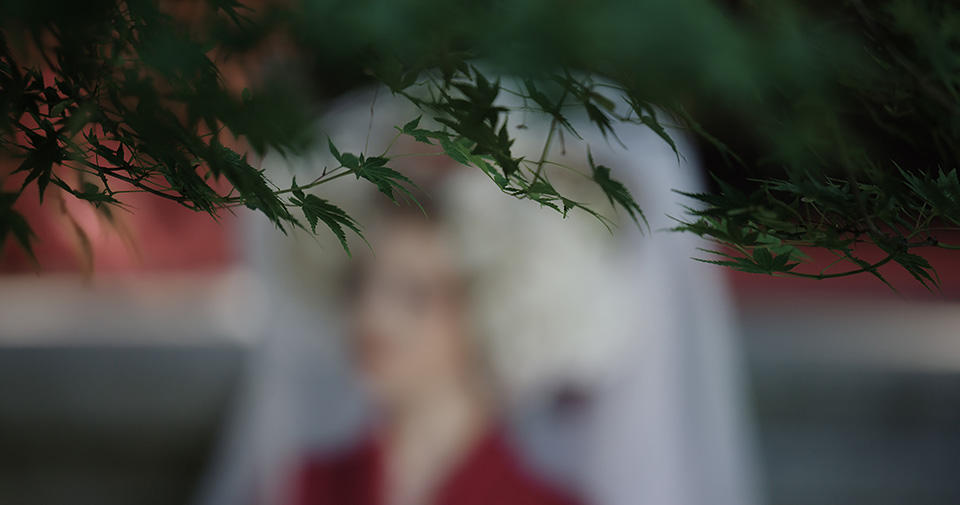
<point x="511" y="307"/>
<point x="438" y="439"/>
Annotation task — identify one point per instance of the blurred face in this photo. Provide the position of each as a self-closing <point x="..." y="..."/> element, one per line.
<point x="408" y="316"/>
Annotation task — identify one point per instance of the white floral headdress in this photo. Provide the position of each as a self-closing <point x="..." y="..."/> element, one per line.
<point x="546" y="291"/>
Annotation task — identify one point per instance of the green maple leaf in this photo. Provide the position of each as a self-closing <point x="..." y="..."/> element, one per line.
<point x="316" y="209"/>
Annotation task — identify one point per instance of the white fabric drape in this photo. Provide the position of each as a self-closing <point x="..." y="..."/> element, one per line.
<point x="671" y="426"/>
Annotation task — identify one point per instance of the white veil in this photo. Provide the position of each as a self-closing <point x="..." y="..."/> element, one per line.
<point x="666" y="424"/>
<point x="672" y="426"/>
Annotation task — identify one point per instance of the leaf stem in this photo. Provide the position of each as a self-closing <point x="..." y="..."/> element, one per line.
<point x="822" y="275"/>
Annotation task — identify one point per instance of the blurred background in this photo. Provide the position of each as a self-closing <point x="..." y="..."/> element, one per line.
<point x="163" y="357"/>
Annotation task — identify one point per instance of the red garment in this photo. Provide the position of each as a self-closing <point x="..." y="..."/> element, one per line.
<point x="490" y="474"/>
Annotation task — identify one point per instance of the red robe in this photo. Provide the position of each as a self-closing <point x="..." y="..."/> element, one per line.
<point x="490" y="474"/>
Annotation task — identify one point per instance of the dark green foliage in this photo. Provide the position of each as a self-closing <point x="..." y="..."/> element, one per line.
<point x="375" y="170"/>
<point x="852" y="109"/>
<point x="250" y="183"/>
<point x="615" y="190"/>
<point x="316" y="209"/>
<point x="12" y="223"/>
